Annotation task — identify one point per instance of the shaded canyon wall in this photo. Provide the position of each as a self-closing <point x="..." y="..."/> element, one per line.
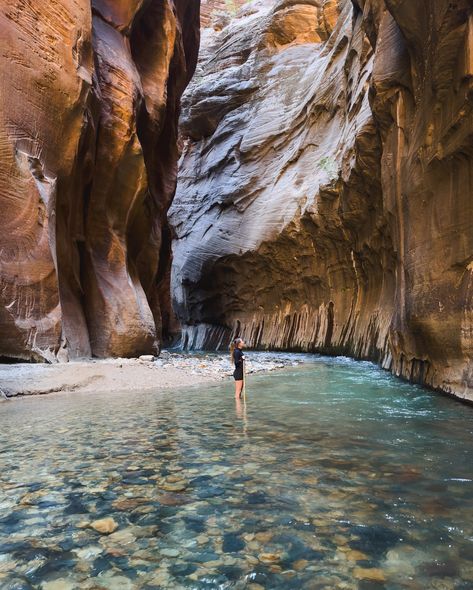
<point x="325" y="194"/>
<point x="90" y="95"/>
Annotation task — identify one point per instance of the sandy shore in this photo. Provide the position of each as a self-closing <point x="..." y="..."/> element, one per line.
<point x="170" y="370"/>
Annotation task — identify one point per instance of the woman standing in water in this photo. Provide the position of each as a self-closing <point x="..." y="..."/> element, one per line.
<point x="238" y="358"/>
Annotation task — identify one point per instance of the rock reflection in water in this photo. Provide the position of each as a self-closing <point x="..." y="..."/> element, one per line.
<point x="330" y="476"/>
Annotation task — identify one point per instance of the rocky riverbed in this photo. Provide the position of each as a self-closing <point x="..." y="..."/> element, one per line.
<point x="332" y="476"/>
<point x="170" y="369"/>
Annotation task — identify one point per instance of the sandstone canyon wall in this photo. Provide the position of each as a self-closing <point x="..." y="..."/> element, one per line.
<point x="325" y="194"/>
<point x="90" y="95"/>
<point x="216" y="12"/>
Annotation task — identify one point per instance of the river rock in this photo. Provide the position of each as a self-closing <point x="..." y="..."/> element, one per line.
<point x="169" y="552"/>
<point x="178" y="486"/>
<point x="447" y="568"/>
<point x="264" y="536"/>
<point x="60" y="584"/>
<point x="356" y="556"/>
<point x="269" y="557"/>
<point x="121" y="537"/>
<point x="88" y="552"/>
<point x="104" y="526"/>
<point x="172" y="499"/>
<point x="232" y="543"/>
<point x="126" y="503"/>
<point x="373" y="574"/>
<point x="112" y="581"/>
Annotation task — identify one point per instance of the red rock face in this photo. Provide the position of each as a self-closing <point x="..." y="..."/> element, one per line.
<point x="325" y="199"/>
<point x="90" y="99"/>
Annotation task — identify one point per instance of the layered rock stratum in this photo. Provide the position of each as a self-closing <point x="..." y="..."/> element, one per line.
<point x="90" y="97"/>
<point x="325" y="195"/>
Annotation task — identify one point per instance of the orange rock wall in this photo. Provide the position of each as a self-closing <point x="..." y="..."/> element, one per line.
<point x="211" y="8"/>
<point x="325" y="198"/>
<point x="89" y="102"/>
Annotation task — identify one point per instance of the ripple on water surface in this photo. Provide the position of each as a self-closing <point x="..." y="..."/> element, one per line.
<point x="334" y="475"/>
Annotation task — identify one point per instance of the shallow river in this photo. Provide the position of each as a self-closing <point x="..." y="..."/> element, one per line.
<point x="333" y="475"/>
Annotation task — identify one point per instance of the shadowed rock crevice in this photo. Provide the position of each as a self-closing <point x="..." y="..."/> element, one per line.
<point x="325" y="200"/>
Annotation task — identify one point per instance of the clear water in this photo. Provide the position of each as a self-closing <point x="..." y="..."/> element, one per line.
<point x="334" y="475"/>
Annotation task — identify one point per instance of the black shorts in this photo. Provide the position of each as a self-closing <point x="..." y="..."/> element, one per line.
<point x="238" y="374"/>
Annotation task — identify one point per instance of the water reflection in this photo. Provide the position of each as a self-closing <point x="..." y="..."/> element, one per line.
<point x="241" y="413"/>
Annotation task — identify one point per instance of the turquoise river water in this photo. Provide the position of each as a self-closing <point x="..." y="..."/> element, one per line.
<point x="334" y="475"/>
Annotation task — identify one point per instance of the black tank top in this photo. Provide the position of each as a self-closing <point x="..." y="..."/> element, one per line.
<point x="238" y="357"/>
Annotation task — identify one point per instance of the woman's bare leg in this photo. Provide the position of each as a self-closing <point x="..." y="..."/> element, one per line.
<point x="238" y="388"/>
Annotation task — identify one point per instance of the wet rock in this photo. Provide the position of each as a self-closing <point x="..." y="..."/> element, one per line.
<point x="104" y="526"/>
<point x="195" y="524"/>
<point x="441" y="569"/>
<point x="182" y="569"/>
<point x="466" y="552"/>
<point x="112" y="581"/>
<point x="231" y="572"/>
<point x="169" y="552"/>
<point x="374" y="540"/>
<point x="205" y="557"/>
<point x="373" y="585"/>
<point x="126" y="503"/>
<point x="122" y="537"/>
<point x="202" y="539"/>
<point x="52" y="582"/>
<point x="300" y="564"/>
<point x="210" y="492"/>
<point x="178" y="486"/>
<point x="232" y="543"/>
<point x="372" y="574"/>
<point x="269" y="557"/>
<point x="88" y="552"/>
<point x="17" y="584"/>
<point x="172" y="499"/>
<point x="356" y="556"/>
<point x="257" y="498"/>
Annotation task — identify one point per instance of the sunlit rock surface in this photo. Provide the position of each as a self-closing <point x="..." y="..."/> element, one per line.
<point x="215" y="13"/>
<point x="89" y="101"/>
<point x="326" y="185"/>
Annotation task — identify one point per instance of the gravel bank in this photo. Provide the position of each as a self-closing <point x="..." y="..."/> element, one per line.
<point x="170" y="370"/>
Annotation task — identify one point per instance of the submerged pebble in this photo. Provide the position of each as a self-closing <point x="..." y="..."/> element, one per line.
<point x="105" y="526"/>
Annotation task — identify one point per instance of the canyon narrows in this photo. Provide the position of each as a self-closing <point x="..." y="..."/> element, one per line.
<point x="179" y="173"/>
<point x="325" y="191"/>
<point x="324" y="200"/>
<point x="90" y="101"/>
